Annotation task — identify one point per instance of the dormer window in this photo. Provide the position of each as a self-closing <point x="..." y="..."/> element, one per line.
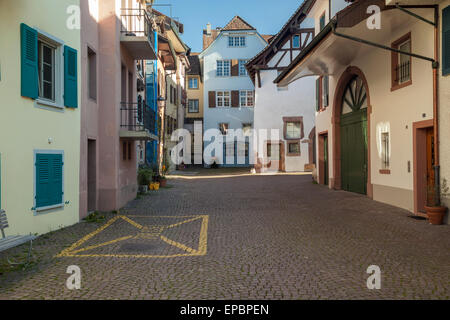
<point x="236" y="41"/>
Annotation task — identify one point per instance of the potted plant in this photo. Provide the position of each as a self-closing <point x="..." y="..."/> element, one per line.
<point x="436" y="212"/>
<point x="144" y="178"/>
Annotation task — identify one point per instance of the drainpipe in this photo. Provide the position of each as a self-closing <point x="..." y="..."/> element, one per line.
<point x="437" y="178"/>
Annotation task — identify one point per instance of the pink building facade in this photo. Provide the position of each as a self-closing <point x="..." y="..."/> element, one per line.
<point x="115" y="34"/>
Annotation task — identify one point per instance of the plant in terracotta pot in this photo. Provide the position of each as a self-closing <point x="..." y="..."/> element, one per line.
<point x="436" y="212"/>
<point x="162" y="178"/>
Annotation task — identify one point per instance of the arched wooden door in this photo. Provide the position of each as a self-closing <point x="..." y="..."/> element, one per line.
<point x="354" y="169"/>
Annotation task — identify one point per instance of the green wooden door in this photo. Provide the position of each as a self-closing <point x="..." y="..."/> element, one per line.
<point x="354" y="138"/>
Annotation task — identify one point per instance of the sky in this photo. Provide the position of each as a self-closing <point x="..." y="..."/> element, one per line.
<point x="267" y="16"/>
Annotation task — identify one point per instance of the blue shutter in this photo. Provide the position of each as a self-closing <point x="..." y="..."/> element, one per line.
<point x="29" y="62"/>
<point x="446" y="41"/>
<point x="70" y="78"/>
<point x="49" y="179"/>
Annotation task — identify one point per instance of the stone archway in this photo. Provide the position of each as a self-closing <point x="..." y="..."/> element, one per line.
<point x="347" y="76"/>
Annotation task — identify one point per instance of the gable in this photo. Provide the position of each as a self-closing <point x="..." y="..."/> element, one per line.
<point x="237" y="23"/>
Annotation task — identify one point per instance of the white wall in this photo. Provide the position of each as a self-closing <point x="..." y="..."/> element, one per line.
<point x="273" y="104"/>
<point x="219" y="50"/>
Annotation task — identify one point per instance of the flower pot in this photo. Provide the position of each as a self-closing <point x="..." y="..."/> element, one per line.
<point x="436" y="214"/>
<point x="163" y="183"/>
<point x="156" y="186"/>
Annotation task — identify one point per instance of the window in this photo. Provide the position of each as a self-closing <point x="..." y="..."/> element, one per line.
<point x="223" y="68"/>
<point x="129" y="150"/>
<point x="294" y="148"/>
<point x="322" y="22"/>
<point x="223" y="127"/>
<point x="193" y="83"/>
<point x="293" y="130"/>
<point x="296" y="41"/>
<point x="223" y="98"/>
<point x="124" y="151"/>
<point x="322" y="92"/>
<point x="193" y="106"/>
<point x="236" y="41"/>
<point x="246" y="129"/>
<point x="446" y="41"/>
<point x="385" y="153"/>
<point x="47" y="72"/>
<point x="92" y="74"/>
<point x="49" y="175"/>
<point x="242" y="69"/>
<point x="246" y="98"/>
<point x="401" y="63"/>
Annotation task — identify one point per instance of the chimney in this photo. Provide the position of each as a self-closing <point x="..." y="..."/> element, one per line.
<point x="208" y="29"/>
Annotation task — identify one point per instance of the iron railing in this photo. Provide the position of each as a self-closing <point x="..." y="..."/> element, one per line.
<point x="403" y="72"/>
<point x="137" y="23"/>
<point x="137" y="116"/>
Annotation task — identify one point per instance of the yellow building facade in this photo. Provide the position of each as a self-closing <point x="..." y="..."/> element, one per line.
<point x="40" y="114"/>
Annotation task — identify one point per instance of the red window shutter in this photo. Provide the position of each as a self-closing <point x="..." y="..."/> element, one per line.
<point x="235" y="99"/>
<point x="212" y="99"/>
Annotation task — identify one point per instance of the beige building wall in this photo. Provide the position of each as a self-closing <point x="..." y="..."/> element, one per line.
<point x="195" y="94"/>
<point x="444" y="116"/>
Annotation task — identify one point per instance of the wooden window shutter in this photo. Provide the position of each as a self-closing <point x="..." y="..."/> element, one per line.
<point x="235" y="99"/>
<point x="49" y="180"/>
<point x="29" y="62"/>
<point x="318" y="94"/>
<point x="70" y="78"/>
<point x="234" y="68"/>
<point x="325" y="90"/>
<point x="212" y="99"/>
<point x="446" y="41"/>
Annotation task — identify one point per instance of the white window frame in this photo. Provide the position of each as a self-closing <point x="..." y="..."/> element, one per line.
<point x="220" y="98"/>
<point x="189" y="106"/>
<point x="194" y="80"/>
<point x="235" y="41"/>
<point x="242" y="63"/>
<point x="287" y="130"/>
<point x="246" y="94"/>
<point x="399" y="62"/>
<point x="59" y="72"/>
<point x="220" y="71"/>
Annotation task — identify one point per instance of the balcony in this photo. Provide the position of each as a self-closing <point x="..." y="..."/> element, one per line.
<point x="137" y="122"/>
<point x="136" y="34"/>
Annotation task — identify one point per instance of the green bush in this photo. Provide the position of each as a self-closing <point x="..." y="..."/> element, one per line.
<point x="145" y="176"/>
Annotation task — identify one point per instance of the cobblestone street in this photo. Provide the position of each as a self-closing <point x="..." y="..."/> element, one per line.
<point x="240" y="237"/>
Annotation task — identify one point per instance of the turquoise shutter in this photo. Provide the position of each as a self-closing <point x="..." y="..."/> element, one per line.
<point x="49" y="179"/>
<point x="29" y="62"/>
<point x="317" y="94"/>
<point x="70" y="78"/>
<point x="446" y="41"/>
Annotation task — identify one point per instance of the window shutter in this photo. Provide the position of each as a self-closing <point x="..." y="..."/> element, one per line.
<point x="29" y="62"/>
<point x="446" y="41"/>
<point x="235" y="99"/>
<point x="49" y="177"/>
<point x="234" y="68"/>
<point x="326" y="86"/>
<point x="317" y="94"/>
<point x="212" y="99"/>
<point x="70" y="78"/>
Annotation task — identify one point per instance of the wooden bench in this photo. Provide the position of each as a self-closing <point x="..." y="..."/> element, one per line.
<point x="13" y="241"/>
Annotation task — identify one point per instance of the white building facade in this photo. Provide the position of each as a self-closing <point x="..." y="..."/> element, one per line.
<point x="228" y="90"/>
<point x="284" y="117"/>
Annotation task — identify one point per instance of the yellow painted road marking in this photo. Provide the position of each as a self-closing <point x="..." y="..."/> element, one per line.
<point x="102" y="244"/>
<point x="202" y="248"/>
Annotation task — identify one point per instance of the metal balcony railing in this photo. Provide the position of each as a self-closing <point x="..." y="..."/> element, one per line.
<point x="137" y="117"/>
<point x="137" y="23"/>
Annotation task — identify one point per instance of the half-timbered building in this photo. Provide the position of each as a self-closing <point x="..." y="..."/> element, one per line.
<point x="284" y="117"/>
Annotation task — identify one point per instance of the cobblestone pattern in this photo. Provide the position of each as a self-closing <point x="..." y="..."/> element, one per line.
<point x="269" y="237"/>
